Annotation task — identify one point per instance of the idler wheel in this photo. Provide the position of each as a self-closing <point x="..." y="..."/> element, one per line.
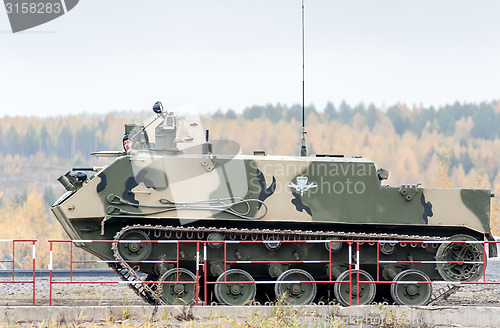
<point x="460" y="252"/>
<point x="296" y="292"/>
<point x="176" y="291"/>
<point x="238" y="293"/>
<point x="411" y="293"/>
<point x="134" y="251"/>
<point x="347" y="294"/>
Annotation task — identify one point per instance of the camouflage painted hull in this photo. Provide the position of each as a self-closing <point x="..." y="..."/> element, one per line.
<point x="158" y="195"/>
<point x="267" y="190"/>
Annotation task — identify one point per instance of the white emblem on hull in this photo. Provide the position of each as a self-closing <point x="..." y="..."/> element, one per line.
<point x="301" y="185"/>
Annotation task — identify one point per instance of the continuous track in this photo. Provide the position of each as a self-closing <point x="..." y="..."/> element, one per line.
<point x="150" y="293"/>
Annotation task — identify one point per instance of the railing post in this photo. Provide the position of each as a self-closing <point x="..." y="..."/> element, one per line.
<point x="378" y="259"/>
<point x="177" y="262"/>
<point x="205" y="272"/>
<point x="330" y="260"/>
<point x="357" y="273"/>
<point x="71" y="261"/>
<point x="484" y="261"/>
<point x="197" y="270"/>
<point x="225" y="260"/>
<point x="34" y="275"/>
<point x="350" y="273"/>
<point x="50" y="274"/>
<point x="13" y="260"/>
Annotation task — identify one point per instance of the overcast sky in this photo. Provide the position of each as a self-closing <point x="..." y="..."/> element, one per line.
<point x="126" y="54"/>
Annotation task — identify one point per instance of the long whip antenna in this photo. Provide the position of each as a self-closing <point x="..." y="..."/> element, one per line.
<point x="303" y="149"/>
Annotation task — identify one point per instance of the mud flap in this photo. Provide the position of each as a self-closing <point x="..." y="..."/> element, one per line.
<point x="493" y="246"/>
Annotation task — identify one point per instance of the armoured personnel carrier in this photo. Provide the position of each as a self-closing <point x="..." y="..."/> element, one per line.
<point x="291" y="224"/>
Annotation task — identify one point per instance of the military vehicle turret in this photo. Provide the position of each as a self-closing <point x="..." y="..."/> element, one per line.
<point x="296" y="204"/>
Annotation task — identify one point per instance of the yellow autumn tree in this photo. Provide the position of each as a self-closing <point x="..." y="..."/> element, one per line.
<point x="30" y="220"/>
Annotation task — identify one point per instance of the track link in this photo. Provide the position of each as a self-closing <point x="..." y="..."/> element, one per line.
<point x="443" y="293"/>
<point x="138" y="288"/>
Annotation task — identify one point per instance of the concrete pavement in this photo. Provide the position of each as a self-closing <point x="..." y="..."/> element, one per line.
<point x="355" y="316"/>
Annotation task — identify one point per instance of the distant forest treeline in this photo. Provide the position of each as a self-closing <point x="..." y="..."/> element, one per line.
<point x="485" y="116"/>
<point x="66" y="137"/>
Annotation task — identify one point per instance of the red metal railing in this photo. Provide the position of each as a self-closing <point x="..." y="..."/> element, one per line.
<point x="13" y="263"/>
<point x="353" y="263"/>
